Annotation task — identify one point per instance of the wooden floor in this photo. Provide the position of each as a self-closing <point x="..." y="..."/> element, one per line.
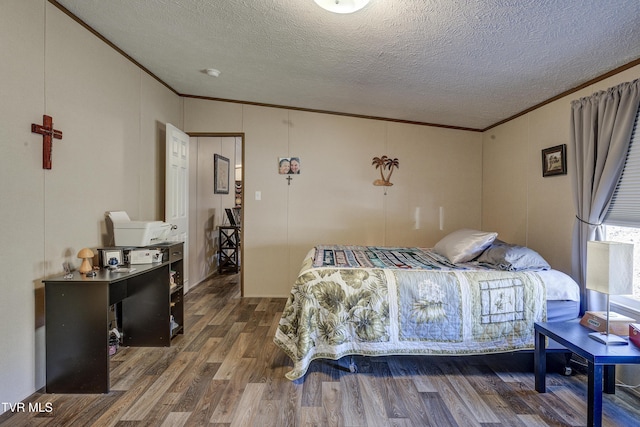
<point x="226" y="371"/>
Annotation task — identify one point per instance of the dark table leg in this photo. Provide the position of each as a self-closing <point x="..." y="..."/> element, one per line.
<point x="594" y="395"/>
<point x="610" y="379"/>
<point x="77" y="359"/>
<point x="540" y="362"/>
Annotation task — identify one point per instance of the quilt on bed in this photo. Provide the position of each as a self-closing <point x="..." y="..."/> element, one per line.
<point x="391" y="301"/>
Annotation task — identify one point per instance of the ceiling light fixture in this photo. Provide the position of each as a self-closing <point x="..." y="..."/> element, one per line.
<point x="212" y="72"/>
<point x="342" y="6"/>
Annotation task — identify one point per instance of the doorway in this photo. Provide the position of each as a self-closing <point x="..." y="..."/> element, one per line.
<point x="209" y="200"/>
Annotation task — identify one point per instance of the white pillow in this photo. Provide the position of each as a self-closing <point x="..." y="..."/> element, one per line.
<point x="464" y="245"/>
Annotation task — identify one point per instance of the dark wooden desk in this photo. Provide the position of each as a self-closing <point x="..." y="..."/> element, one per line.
<point x="601" y="360"/>
<point x="76" y="310"/>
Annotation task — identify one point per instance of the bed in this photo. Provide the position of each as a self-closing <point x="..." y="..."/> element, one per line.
<point x="469" y="294"/>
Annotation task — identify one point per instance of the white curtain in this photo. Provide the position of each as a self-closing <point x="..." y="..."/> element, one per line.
<point x="601" y="127"/>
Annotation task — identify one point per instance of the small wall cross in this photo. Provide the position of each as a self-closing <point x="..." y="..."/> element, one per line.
<point x="47" y="131"/>
<point x="289" y="179"/>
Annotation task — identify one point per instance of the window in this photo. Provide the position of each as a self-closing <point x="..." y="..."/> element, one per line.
<point x="625" y="203"/>
<point x="628" y="235"/>
<point x="622" y="223"/>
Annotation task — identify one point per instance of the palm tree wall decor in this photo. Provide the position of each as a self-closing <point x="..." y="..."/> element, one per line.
<point x="385" y="163"/>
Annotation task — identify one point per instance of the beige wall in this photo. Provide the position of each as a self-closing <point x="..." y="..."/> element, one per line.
<point x="111" y="115"/>
<point x="333" y="200"/>
<point x="518" y="203"/>
<point x="22" y="197"/>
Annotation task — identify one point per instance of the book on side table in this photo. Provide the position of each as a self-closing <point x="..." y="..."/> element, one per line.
<point x="634" y="334"/>
<point x="597" y="321"/>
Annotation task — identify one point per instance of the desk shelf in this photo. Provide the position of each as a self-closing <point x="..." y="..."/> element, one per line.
<point x="176" y="306"/>
<point x="176" y="289"/>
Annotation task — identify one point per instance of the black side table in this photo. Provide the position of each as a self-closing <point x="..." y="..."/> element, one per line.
<point x="229" y="249"/>
<point x="601" y="360"/>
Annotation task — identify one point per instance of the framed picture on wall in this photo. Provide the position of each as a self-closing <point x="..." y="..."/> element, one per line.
<point x="554" y="160"/>
<point x="288" y="165"/>
<point x="220" y="174"/>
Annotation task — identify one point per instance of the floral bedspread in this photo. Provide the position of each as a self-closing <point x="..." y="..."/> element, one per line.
<point x="333" y="312"/>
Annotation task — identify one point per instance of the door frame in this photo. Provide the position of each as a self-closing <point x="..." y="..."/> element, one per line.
<point x="242" y="211"/>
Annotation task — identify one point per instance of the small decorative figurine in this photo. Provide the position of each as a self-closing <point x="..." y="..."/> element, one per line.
<point x="86" y="255"/>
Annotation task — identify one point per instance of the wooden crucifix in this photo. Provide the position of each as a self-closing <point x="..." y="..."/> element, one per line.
<point x="47" y="131"/>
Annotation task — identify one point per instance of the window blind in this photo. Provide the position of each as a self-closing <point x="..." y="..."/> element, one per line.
<point x="624" y="209"/>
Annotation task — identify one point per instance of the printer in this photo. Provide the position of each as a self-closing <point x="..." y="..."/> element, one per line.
<point x="137" y="233"/>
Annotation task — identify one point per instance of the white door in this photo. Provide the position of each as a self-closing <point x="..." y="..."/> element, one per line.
<point x="176" y="208"/>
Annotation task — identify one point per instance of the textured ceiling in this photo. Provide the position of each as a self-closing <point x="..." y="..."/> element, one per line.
<point x="462" y="63"/>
